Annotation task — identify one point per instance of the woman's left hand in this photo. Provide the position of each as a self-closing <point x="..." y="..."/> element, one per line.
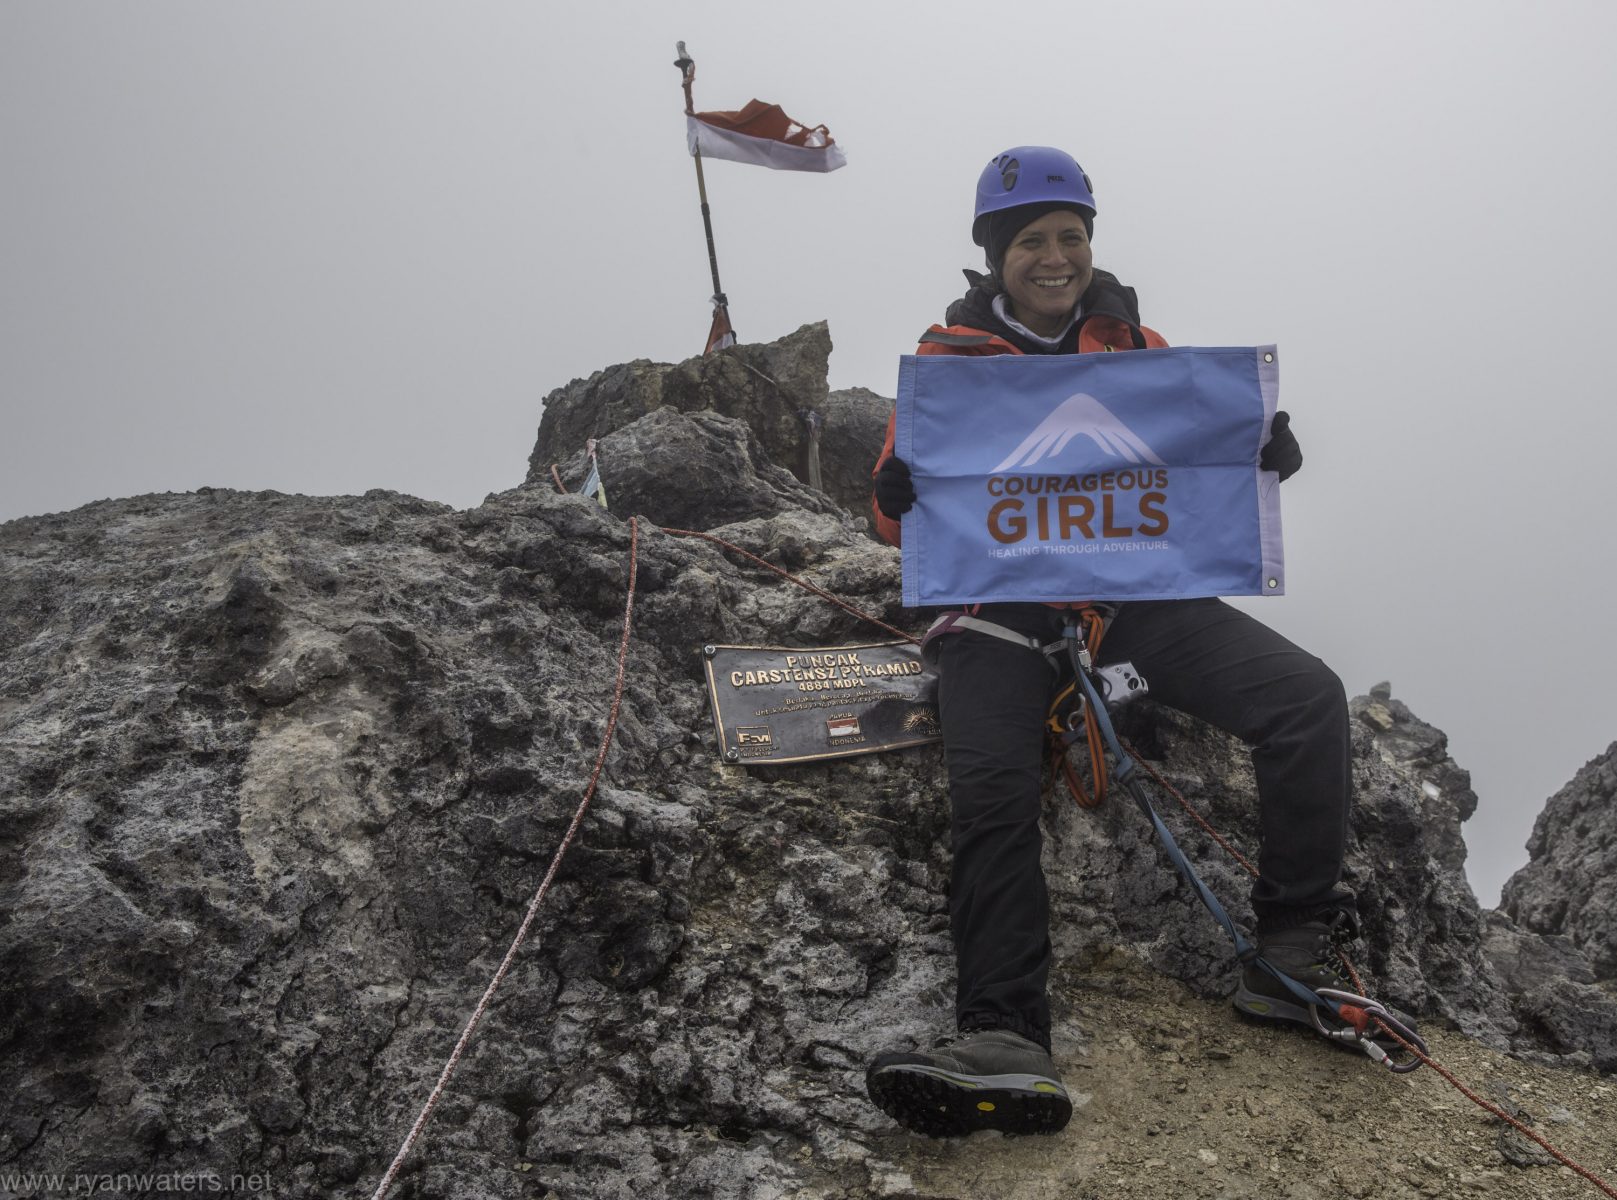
<point x="1281" y="453"/>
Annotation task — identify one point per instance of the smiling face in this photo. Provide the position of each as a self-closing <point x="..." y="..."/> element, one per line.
<point x="1046" y="268"/>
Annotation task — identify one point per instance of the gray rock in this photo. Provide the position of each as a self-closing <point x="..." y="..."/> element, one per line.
<point x="772" y="388"/>
<point x="1422" y="751"/>
<point x="1575" y="1022"/>
<point x="855" y="425"/>
<point x="825" y="439"/>
<point x="1514" y="1146"/>
<point x="279" y="775"/>
<point x="1525" y="960"/>
<point x="647" y="467"/>
<point x="1566" y="887"/>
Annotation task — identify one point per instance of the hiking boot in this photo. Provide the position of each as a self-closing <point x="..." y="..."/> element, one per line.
<point x="1308" y="953"/>
<point x="988" y="1079"/>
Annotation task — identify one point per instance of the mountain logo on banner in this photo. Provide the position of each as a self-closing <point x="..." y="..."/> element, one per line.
<point x="1080" y="415"/>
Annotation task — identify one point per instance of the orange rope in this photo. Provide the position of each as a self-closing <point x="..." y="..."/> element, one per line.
<point x="1075" y="786"/>
<point x="538" y="896"/>
<point x="1094" y="630"/>
<point x="556" y="475"/>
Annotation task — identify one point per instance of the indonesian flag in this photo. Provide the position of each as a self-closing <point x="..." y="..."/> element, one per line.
<point x="763" y="134"/>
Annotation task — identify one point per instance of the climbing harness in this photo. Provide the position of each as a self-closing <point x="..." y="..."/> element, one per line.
<point x="961" y="622"/>
<point x="1070" y="718"/>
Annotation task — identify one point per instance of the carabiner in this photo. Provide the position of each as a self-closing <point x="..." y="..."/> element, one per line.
<point x="1374" y="1012"/>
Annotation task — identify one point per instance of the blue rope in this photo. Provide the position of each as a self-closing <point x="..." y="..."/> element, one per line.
<point x="1123" y="770"/>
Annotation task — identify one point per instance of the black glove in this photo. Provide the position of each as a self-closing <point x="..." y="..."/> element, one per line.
<point x="1281" y="453"/>
<point x="895" y="490"/>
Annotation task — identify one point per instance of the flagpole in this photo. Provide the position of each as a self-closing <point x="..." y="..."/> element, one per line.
<point x="721" y="303"/>
<point x="707" y="224"/>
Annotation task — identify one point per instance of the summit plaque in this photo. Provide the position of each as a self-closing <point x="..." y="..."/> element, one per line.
<point x="778" y="704"/>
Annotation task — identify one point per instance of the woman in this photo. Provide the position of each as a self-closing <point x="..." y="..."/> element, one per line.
<point x="1034" y="219"/>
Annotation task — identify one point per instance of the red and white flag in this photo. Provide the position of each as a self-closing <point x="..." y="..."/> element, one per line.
<point x="763" y="134"/>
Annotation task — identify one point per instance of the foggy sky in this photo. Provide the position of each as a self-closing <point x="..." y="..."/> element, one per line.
<point x="325" y="248"/>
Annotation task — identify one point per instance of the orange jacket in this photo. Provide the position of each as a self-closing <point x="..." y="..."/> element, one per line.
<point x="1098" y="331"/>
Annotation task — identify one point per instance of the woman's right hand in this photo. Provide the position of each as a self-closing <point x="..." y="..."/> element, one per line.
<point x="895" y="490"/>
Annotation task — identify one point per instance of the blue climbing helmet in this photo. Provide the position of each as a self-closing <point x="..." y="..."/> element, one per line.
<point x="1029" y="175"/>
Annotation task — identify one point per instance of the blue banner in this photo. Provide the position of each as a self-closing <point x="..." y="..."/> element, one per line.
<point x="1068" y="477"/>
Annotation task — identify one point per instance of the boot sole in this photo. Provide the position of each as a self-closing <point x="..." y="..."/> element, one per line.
<point x="1269" y="1008"/>
<point x="941" y="1105"/>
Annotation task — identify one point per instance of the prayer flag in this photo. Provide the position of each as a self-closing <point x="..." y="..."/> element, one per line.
<point x="593" y="487"/>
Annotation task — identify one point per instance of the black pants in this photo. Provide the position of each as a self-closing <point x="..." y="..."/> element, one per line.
<point x="1199" y="656"/>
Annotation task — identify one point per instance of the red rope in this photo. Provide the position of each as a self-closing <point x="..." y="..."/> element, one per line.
<point x="1499" y="1112"/>
<point x="538" y="896"/>
<point x="802" y="583"/>
<point x="1358" y="986"/>
<point x="1195" y="816"/>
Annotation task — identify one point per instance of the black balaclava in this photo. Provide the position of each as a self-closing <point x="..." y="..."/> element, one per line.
<point x="1004" y="225"/>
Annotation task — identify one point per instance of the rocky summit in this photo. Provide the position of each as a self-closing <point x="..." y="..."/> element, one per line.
<point x="280" y="775"/>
